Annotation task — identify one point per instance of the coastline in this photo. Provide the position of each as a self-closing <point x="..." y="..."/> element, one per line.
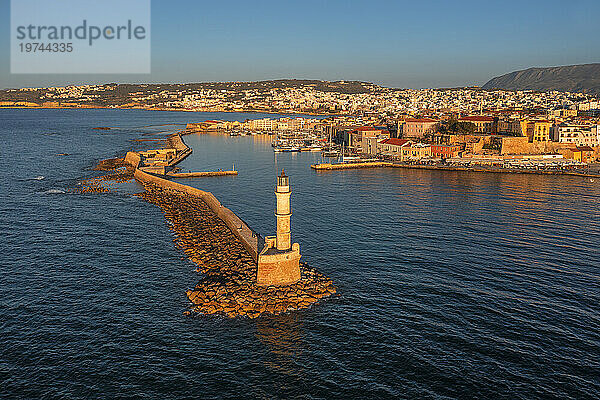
<point x="209" y="110"/>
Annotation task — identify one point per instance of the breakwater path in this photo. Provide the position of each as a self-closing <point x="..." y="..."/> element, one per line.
<point x="225" y="250"/>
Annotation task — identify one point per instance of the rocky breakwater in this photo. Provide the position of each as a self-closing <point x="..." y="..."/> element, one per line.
<point x="116" y="171"/>
<point x="228" y="286"/>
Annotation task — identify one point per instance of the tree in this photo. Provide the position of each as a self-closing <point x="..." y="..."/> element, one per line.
<point x="456" y="127"/>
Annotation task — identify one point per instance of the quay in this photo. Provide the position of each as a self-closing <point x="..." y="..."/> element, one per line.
<point x="489" y="169"/>
<point x="353" y="165"/>
<point x="200" y="174"/>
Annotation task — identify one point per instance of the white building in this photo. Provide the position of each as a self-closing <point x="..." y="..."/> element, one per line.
<point x="580" y="135"/>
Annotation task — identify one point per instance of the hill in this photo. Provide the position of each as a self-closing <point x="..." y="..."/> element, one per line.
<point x="583" y="78"/>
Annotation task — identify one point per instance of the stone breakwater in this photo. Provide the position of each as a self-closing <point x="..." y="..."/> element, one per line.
<point x="116" y="171"/>
<point x="229" y="286"/>
<point x="222" y="246"/>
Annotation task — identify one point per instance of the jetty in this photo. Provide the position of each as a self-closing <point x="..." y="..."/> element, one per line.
<point x="200" y="174"/>
<point x="481" y="169"/>
<point x="351" y="165"/>
<point x="230" y="255"/>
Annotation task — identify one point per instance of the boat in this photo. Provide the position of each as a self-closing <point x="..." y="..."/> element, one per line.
<point x="285" y="149"/>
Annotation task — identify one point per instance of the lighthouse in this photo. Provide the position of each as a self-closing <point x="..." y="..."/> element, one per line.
<point x="283" y="213"/>
<point x="279" y="261"/>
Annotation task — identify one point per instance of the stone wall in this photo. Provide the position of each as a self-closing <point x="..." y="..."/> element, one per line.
<point x="521" y="145"/>
<point x="251" y="241"/>
<point x="249" y="238"/>
<point x="515" y="145"/>
<point x="132" y="158"/>
<point x="176" y="142"/>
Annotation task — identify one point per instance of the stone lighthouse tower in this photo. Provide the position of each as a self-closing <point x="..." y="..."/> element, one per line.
<point x="283" y="213"/>
<point x="279" y="261"/>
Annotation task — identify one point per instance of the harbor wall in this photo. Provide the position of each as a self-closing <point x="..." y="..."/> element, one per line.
<point x="250" y="239"/>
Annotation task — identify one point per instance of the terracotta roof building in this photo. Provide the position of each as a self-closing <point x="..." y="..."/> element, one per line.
<point x="418" y="127"/>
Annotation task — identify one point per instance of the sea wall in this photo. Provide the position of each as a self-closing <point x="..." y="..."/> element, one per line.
<point x="176" y="142"/>
<point x="373" y="164"/>
<point x="250" y="239"/>
<point x="521" y="145"/>
<point x="200" y="174"/>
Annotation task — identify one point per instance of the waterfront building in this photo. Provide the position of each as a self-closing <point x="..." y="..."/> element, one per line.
<point x="584" y="154"/>
<point x="392" y="147"/>
<point x="265" y="124"/>
<point x="359" y="136"/>
<point x="578" y="134"/>
<point x="279" y="261"/>
<point x="415" y="151"/>
<point x="445" y="151"/>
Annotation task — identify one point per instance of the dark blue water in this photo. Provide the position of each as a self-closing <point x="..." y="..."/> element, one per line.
<point x="453" y="285"/>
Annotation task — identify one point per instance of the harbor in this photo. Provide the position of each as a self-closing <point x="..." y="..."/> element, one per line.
<point x="393" y="240"/>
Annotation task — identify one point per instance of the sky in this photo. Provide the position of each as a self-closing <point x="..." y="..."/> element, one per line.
<point x="404" y="44"/>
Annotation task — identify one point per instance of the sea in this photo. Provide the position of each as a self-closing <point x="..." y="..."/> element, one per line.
<point x="451" y="285"/>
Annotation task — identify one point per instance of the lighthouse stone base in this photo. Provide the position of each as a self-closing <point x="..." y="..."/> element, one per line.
<point x="276" y="267"/>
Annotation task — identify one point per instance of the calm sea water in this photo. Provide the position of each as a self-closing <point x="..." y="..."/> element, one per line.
<point x="452" y="285"/>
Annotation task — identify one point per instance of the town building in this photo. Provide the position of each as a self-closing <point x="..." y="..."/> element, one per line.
<point x="418" y="127"/>
<point x="445" y="151"/>
<point x="536" y="130"/>
<point x="584" y="154"/>
<point x="541" y="131"/>
<point x="483" y="124"/>
<point x="578" y="134"/>
<point x="392" y="147"/>
<point x="416" y="151"/>
<point x="359" y="137"/>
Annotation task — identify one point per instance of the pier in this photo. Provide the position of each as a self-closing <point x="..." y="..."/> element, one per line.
<point x="226" y="250"/>
<point x="204" y="174"/>
<point x="484" y="169"/>
<point x="353" y="165"/>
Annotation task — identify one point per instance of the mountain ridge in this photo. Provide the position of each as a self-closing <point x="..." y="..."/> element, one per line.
<point x="582" y="78"/>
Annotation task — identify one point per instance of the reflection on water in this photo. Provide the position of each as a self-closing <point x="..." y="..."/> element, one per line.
<point x="282" y="336"/>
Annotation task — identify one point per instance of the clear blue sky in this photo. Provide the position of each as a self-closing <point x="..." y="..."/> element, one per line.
<point x="410" y="44"/>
